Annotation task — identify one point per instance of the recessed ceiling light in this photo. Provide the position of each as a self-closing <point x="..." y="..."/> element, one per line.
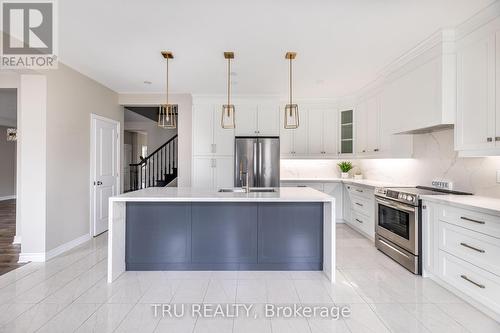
<point x="147" y="82"/>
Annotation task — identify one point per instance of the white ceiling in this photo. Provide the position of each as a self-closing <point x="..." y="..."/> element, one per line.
<point x="341" y="44"/>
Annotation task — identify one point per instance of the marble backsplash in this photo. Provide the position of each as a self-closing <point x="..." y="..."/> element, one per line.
<point x="434" y="158"/>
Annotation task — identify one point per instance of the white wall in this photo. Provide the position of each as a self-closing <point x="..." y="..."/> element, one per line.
<point x="184" y="126"/>
<point x="7" y="165"/>
<point x="434" y="158"/>
<point x="156" y="136"/>
<point x="71" y="98"/>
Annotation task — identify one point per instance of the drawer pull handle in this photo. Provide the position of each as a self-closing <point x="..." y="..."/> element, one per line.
<point x="359" y="221"/>
<point x="357" y="203"/>
<point x="471" y="220"/>
<point x="473" y="282"/>
<point x="358" y="190"/>
<point x="472" y="247"/>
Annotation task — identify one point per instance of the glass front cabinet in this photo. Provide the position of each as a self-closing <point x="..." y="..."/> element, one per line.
<point x="346" y="132"/>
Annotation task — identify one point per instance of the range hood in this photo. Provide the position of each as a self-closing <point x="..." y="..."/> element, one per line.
<point x="430" y="129"/>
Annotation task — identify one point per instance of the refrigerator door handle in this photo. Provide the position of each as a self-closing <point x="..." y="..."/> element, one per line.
<point x="255" y="164"/>
<point x="260" y="175"/>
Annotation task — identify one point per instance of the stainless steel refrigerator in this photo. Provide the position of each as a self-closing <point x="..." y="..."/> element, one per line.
<point x="260" y="158"/>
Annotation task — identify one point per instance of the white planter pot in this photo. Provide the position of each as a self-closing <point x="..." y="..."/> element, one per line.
<point x="344" y="175"/>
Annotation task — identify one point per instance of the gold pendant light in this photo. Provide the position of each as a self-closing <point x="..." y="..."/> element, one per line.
<point x="291" y="110"/>
<point x="167" y="112"/>
<point x="227" y="119"/>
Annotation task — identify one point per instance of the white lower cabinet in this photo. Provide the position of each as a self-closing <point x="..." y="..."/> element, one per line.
<point x="212" y="172"/>
<point x="461" y="251"/>
<point x="362" y="209"/>
<point x="354" y="205"/>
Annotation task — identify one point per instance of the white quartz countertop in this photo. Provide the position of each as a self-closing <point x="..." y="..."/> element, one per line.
<point x="361" y="182"/>
<point x="487" y="205"/>
<point x="188" y="194"/>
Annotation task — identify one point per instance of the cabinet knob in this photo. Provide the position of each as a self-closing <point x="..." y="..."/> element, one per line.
<point x="376" y="149"/>
<point x="363" y="151"/>
<point x="489" y="139"/>
<point x="497" y="138"/>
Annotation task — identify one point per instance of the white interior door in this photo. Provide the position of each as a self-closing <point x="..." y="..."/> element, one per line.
<point x="105" y="169"/>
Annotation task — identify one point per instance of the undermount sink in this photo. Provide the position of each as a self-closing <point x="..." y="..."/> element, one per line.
<point x="242" y="190"/>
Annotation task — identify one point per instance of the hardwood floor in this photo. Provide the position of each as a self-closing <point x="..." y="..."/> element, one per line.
<point x="9" y="253"/>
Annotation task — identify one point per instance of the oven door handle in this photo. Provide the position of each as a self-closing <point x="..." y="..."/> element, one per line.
<point x="396" y="205"/>
<point x="393" y="248"/>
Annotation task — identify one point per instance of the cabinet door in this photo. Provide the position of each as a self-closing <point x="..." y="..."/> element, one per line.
<point x="203" y="129"/>
<point x="246" y="120"/>
<point x="361" y="128"/>
<point x="335" y="190"/>
<point x="223" y="138"/>
<point x="346" y="132"/>
<point x="267" y="120"/>
<point x="224" y="172"/>
<point x="330" y="132"/>
<point x="497" y="85"/>
<point x="372" y="121"/>
<point x="475" y="127"/>
<point x="300" y="134"/>
<point x="346" y="204"/>
<point x="203" y="172"/>
<point x="286" y="138"/>
<point x="315" y="130"/>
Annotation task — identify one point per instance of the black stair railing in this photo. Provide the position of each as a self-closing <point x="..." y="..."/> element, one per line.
<point x="158" y="169"/>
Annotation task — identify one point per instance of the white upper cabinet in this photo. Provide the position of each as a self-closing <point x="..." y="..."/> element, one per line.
<point x="477" y="131"/>
<point x="257" y="119"/>
<point x="245" y="120"/>
<point x="317" y="135"/>
<point x="212" y="172"/>
<point x="367" y="121"/>
<point x="209" y="138"/>
<point x="267" y="119"/>
<point x="322" y="131"/>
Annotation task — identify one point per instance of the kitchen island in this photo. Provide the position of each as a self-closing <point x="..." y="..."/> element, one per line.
<point x="167" y="228"/>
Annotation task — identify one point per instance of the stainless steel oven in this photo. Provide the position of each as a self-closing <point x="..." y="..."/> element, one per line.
<point x="398" y="223"/>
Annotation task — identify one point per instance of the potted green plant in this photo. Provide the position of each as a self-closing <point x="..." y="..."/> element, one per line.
<point x="345" y="167"/>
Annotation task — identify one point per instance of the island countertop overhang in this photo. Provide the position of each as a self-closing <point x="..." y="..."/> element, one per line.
<point x="187" y="194"/>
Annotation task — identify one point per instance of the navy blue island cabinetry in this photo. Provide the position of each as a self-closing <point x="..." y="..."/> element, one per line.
<point x="170" y="228"/>
<point x="224" y="236"/>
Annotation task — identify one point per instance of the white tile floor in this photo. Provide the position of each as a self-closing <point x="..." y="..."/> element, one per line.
<point x="70" y="293"/>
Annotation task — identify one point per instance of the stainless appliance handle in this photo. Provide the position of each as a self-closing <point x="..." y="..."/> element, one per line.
<point x="393" y="204"/>
<point x="260" y="165"/>
<point x="255" y="164"/>
<point x="393" y="248"/>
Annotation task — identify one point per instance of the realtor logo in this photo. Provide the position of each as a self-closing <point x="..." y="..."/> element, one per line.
<point x="28" y="34"/>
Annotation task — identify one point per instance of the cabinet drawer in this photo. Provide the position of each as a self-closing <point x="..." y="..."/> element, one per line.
<point x="316" y="186"/>
<point x="362" y="205"/>
<point x="360" y="191"/>
<point x="484" y="223"/>
<point x="476" y="248"/>
<point x="479" y="284"/>
<point x="363" y="223"/>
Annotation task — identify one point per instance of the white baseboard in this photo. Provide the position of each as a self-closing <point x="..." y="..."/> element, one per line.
<point x="42" y="257"/>
<point x="33" y="257"/>
<point x="17" y="239"/>
<point x="8" y="197"/>
<point x="67" y="246"/>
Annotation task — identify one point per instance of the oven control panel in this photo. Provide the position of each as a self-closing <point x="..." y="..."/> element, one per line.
<point x="396" y="195"/>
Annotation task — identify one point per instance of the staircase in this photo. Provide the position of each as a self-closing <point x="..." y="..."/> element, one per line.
<point x="158" y="169"/>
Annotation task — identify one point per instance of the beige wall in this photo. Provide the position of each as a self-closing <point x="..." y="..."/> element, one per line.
<point x="71" y="98"/>
<point x="7" y="165"/>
